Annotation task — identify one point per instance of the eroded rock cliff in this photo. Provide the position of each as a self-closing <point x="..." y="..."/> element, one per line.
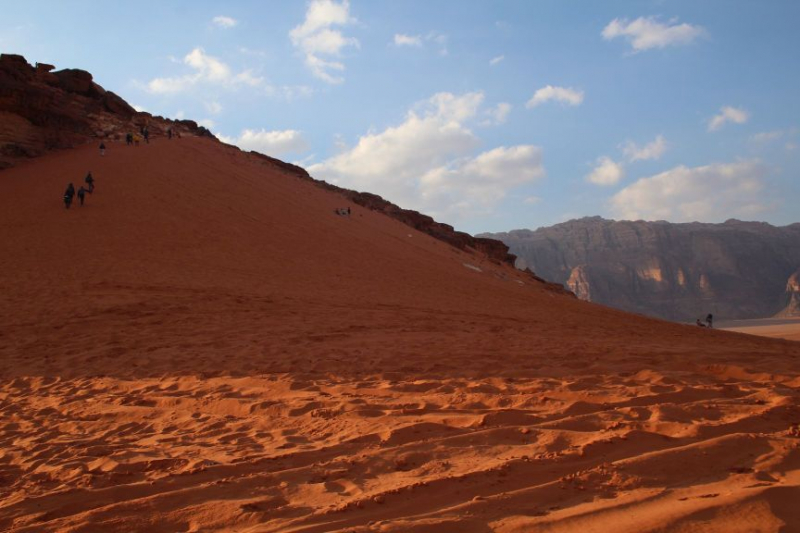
<point x="42" y="110"/>
<point x="791" y="297"/>
<point x="674" y="271"/>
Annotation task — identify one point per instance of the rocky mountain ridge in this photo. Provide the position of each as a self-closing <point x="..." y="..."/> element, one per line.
<point x="734" y="270"/>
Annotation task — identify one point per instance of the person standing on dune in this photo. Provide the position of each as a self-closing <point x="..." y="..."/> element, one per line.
<point x="102" y="148"/>
<point x="81" y="194"/>
<point x="68" y="194"/>
<point x="710" y="320"/>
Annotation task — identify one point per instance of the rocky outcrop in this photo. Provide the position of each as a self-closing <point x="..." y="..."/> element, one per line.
<point x="674" y="271"/>
<point x="791" y="298"/>
<point x="42" y="110"/>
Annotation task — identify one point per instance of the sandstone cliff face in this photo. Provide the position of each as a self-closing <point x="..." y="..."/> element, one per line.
<point x="674" y="271"/>
<point x="791" y="297"/>
<point x="42" y="110"/>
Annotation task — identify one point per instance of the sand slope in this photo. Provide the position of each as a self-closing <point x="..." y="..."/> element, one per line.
<point x="205" y="346"/>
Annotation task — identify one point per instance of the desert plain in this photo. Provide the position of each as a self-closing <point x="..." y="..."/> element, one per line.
<point x="205" y="346"/>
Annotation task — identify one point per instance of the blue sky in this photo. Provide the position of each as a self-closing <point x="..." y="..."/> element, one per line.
<point x="490" y="116"/>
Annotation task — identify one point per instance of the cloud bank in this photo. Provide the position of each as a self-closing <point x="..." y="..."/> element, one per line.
<point x="428" y="161"/>
<point x="711" y="193"/>
<point x="272" y="143"/>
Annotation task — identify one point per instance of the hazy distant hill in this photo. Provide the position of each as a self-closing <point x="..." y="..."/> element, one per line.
<point x="675" y="271"/>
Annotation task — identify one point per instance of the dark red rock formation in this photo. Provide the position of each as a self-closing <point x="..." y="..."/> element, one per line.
<point x="42" y="110"/>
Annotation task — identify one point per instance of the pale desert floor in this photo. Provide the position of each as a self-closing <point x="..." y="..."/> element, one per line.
<point x="205" y="347"/>
<point x="788" y="328"/>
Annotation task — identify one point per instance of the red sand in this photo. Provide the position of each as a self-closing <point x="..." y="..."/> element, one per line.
<point x="205" y="346"/>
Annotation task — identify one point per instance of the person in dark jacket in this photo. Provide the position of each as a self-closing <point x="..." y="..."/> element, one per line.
<point x="81" y="195"/>
<point x="89" y="179"/>
<point x="710" y="320"/>
<point x="102" y="148"/>
<point x="68" y="194"/>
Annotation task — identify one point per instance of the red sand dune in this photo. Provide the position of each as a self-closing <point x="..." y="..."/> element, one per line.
<point x="206" y="346"/>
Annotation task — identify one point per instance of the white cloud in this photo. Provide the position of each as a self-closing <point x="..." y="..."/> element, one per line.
<point x="225" y="22"/>
<point x="273" y="143"/>
<point x="439" y="39"/>
<point x="420" y="41"/>
<point x="647" y="32"/>
<point x="289" y="92"/>
<point x="425" y="162"/>
<point x="139" y="108"/>
<point x="532" y="200"/>
<point x="315" y="38"/>
<point x="495" y="60"/>
<point x="764" y="137"/>
<point x="566" y="95"/>
<point x="606" y="172"/>
<point x="475" y="186"/>
<point x="653" y="150"/>
<point x="711" y="193"/>
<point x="407" y="40"/>
<point x="497" y="114"/>
<point x="206" y="123"/>
<point x="728" y="114"/>
<point x="246" y="77"/>
<point x="207" y="69"/>
<point x="215" y="108"/>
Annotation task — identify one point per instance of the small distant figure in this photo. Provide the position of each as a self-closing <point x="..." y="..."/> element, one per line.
<point x="342" y="211"/>
<point x="68" y="194"/>
<point x="102" y="149"/>
<point x="89" y="179"/>
<point x="146" y="134"/>
<point x="129" y="139"/>
<point x="169" y="134"/>
<point x="710" y="320"/>
<point x="81" y="195"/>
<point x="348" y="211"/>
<point x="700" y="323"/>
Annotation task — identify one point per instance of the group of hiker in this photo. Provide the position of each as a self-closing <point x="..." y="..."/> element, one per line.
<point x="131" y="139"/>
<point x="70" y="193"/>
<point x="709" y="323"/>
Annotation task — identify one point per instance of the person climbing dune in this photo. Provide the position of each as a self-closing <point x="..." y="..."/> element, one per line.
<point x="89" y="179"/>
<point x="68" y="194"/>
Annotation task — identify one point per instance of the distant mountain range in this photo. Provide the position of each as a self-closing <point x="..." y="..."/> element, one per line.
<point x="674" y="271"/>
